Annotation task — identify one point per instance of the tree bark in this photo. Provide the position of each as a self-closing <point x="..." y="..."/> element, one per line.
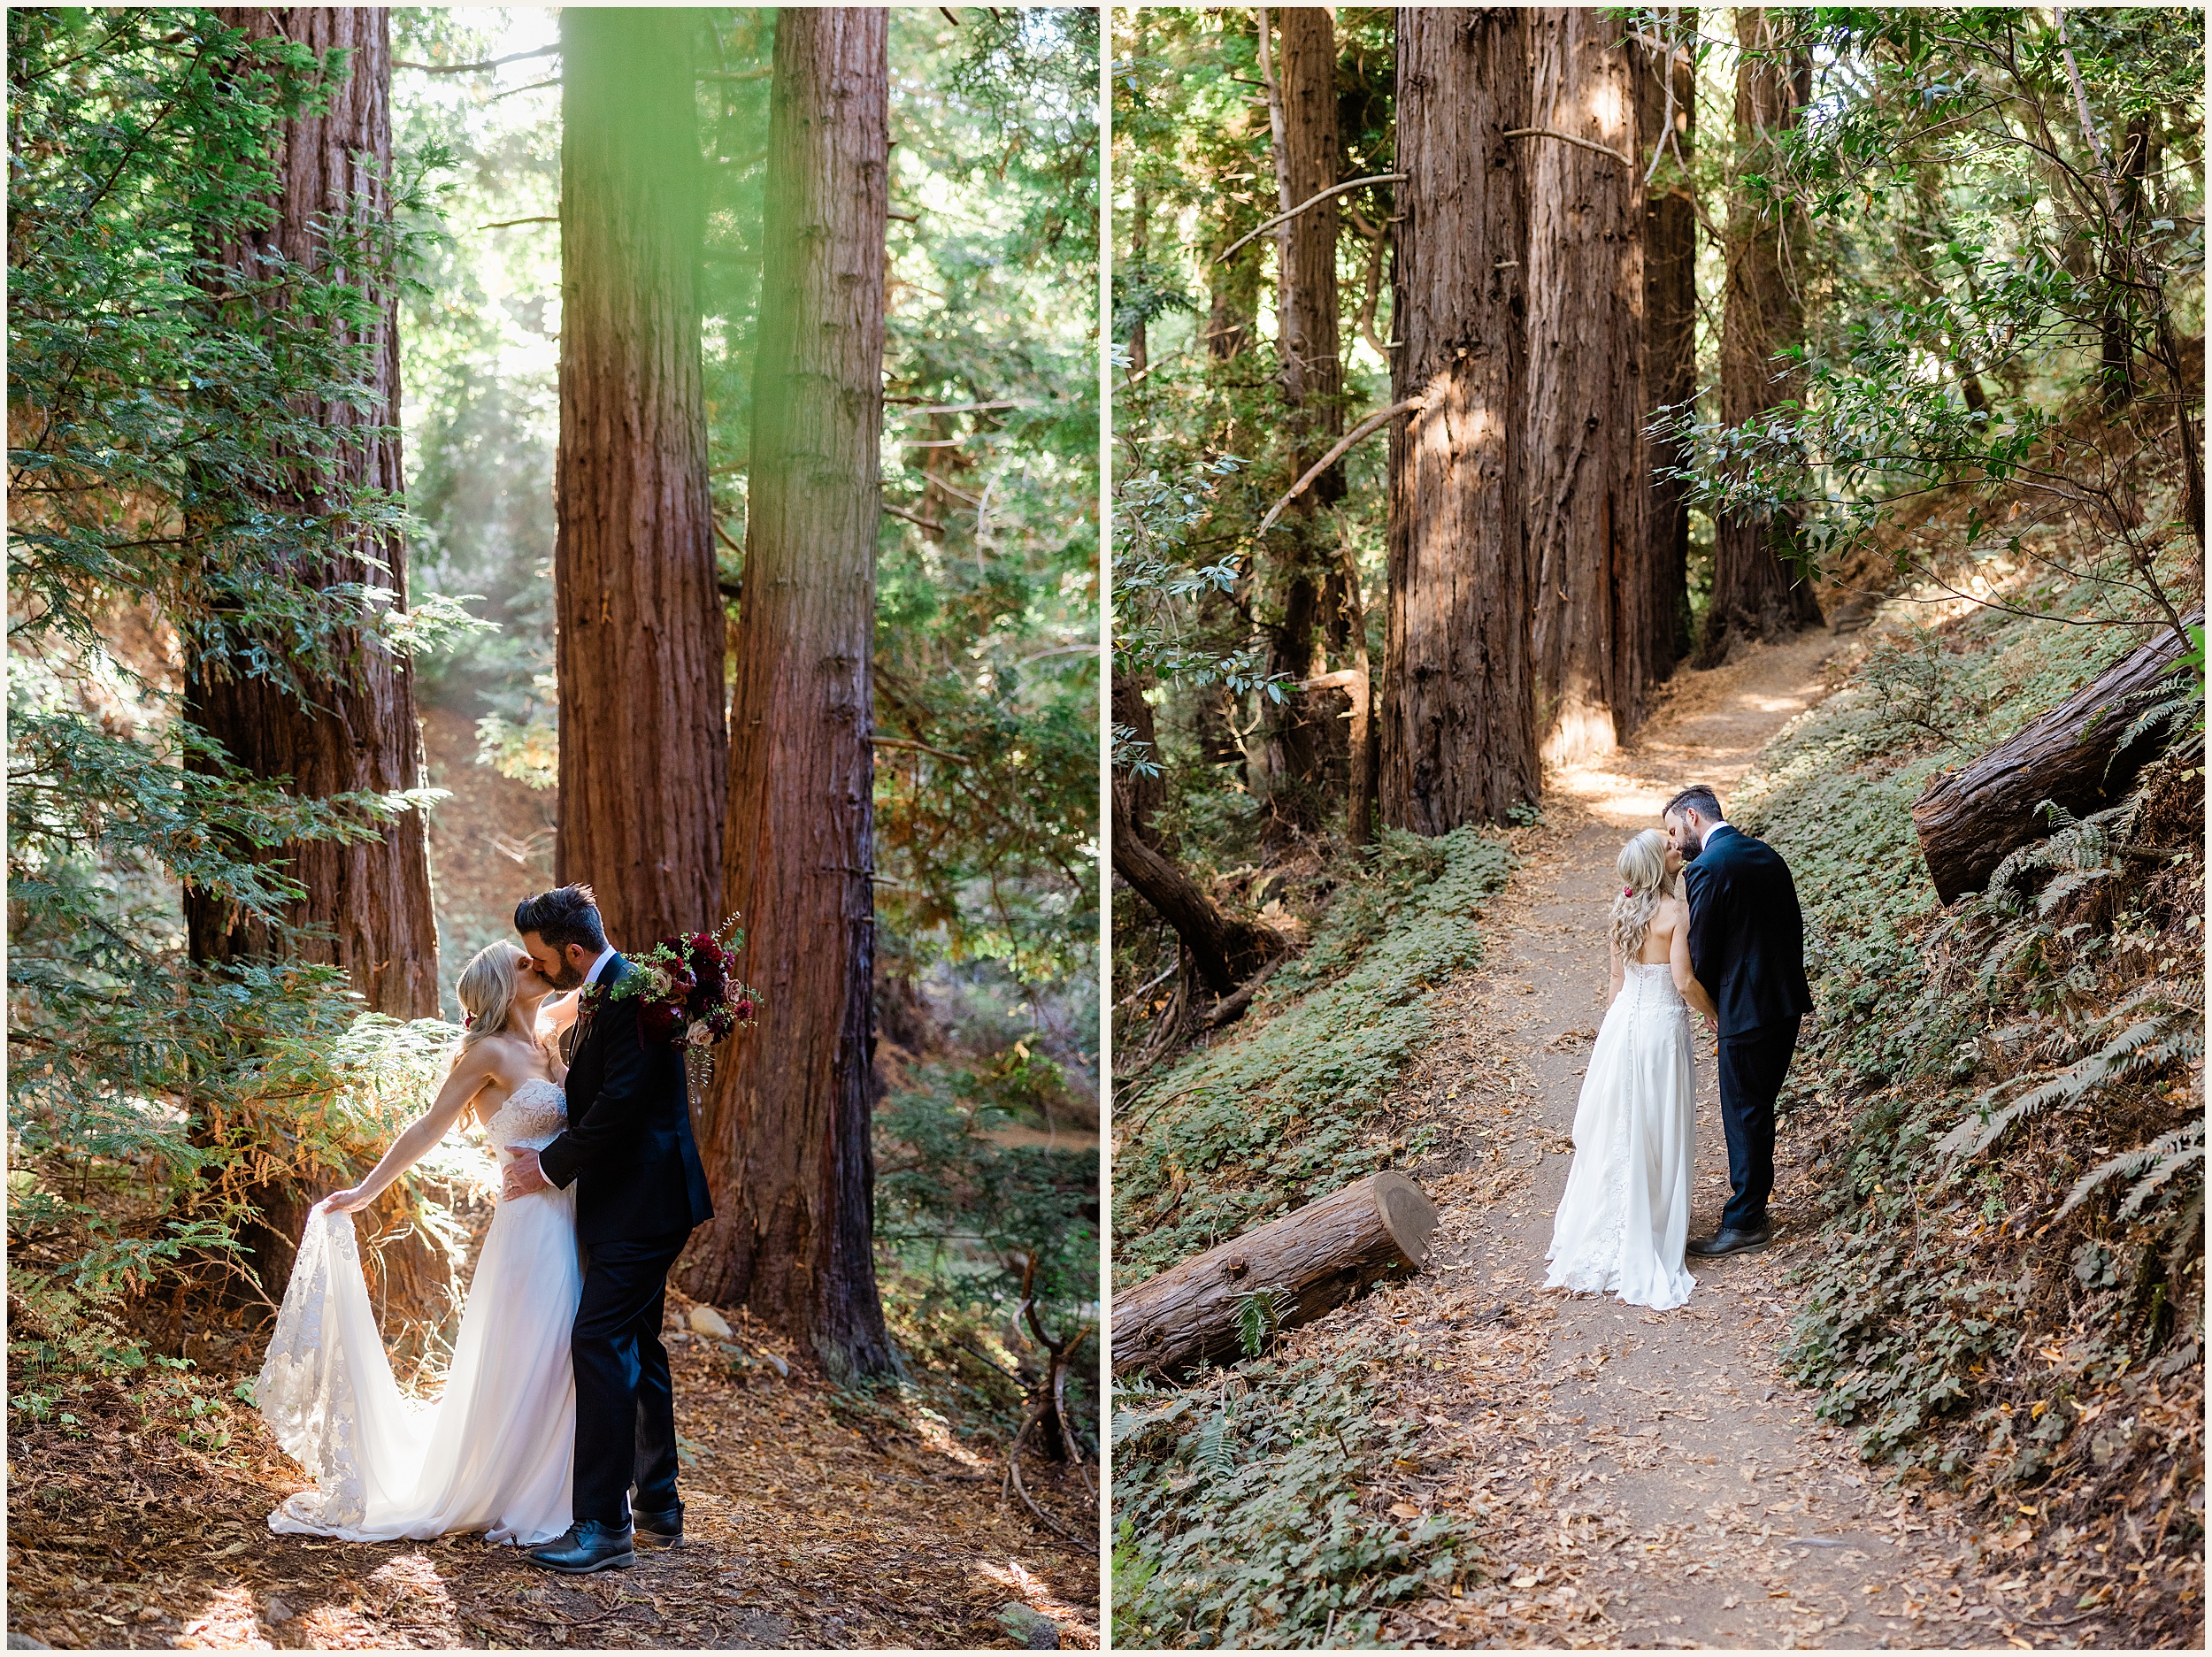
<point x="1225" y="949"/>
<point x="1359" y="809"/>
<point x="1315" y="1259"/>
<point x="786" y="1131"/>
<point x="1669" y="339"/>
<point x="1302" y="107"/>
<point x="1137" y="795"/>
<point x="642" y="632"/>
<point x="1757" y="591"/>
<point x="356" y="730"/>
<point x="2116" y="368"/>
<point x="1585" y="401"/>
<point x="1458" y="706"/>
<point x="1971" y="819"/>
<point x="367" y="907"/>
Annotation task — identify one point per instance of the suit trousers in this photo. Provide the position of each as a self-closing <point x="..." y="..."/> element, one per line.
<point x="1753" y="1063"/>
<point x="626" y="1407"/>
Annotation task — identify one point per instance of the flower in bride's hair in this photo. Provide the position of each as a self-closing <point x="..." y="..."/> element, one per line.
<point x="468" y="1021"/>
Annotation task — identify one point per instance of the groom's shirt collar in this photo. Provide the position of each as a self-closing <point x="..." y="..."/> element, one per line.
<point x="599" y="966"/>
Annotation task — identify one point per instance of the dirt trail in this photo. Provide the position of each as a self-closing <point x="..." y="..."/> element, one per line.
<point x="1652" y="1480"/>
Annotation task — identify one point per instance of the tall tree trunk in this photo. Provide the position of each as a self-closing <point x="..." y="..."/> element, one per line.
<point x="640" y="628"/>
<point x="1302" y="93"/>
<point x="1360" y="805"/>
<point x="1670" y="336"/>
<point x="1757" y="590"/>
<point x="2116" y="364"/>
<point x="786" y="1131"/>
<point x="1458" y="703"/>
<point x="1585" y="401"/>
<point x="355" y="731"/>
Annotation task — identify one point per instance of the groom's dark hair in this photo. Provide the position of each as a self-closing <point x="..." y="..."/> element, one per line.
<point x="1700" y="799"/>
<point x="564" y="915"/>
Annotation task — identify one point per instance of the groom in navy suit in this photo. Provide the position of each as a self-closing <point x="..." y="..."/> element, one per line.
<point x="640" y="1189"/>
<point x="1748" y="951"/>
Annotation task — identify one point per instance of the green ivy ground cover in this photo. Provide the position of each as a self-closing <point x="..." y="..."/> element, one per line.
<point x="1276" y="1114"/>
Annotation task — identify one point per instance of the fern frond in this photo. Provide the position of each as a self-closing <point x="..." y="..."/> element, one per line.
<point x="2164" y="1157"/>
<point x="2178" y="710"/>
<point x="1215" y="1458"/>
<point x="2173" y="1035"/>
<point x="2065" y="885"/>
<point x="1260" y="1313"/>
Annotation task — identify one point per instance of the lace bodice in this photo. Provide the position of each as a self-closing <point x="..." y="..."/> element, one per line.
<point x="1649" y="987"/>
<point x="533" y="1116"/>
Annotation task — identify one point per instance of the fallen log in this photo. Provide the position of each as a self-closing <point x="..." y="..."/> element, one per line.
<point x="1971" y="819"/>
<point x="1309" y="1262"/>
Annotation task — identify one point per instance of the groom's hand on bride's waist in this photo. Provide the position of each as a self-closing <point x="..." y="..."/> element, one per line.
<point x="524" y="1177"/>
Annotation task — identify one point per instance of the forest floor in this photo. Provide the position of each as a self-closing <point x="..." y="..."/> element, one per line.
<point x="1635" y="1478"/>
<point x="816" y="1518"/>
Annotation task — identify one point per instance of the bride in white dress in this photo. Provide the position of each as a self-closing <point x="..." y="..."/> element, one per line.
<point x="1625" y="1213"/>
<point x="495" y="1452"/>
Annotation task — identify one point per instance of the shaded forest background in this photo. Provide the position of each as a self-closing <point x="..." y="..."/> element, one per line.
<point x="1481" y="376"/>
<point x="173" y="1103"/>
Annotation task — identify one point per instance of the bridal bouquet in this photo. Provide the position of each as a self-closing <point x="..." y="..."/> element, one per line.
<point x="688" y="994"/>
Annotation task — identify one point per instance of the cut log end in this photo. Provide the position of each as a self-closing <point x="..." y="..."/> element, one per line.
<point x="1407" y="1215"/>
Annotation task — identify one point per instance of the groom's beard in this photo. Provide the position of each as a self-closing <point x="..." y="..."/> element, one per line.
<point x="567" y="979"/>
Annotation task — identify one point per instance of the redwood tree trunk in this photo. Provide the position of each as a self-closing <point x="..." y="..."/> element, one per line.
<point x="642" y="637"/>
<point x="1757" y="593"/>
<point x="1669" y="339"/>
<point x="356" y="730"/>
<point x="1298" y="728"/>
<point x="785" y="1133"/>
<point x="1458" y="707"/>
<point x="1584" y="410"/>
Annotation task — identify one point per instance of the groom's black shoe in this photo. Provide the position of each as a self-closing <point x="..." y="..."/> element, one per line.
<point x="587" y="1546"/>
<point x="1729" y="1241"/>
<point x="665" y="1527"/>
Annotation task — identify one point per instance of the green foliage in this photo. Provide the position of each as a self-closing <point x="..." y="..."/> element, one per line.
<point x="1240" y="1133"/>
<point x="967" y="1210"/>
<point x="1969" y="1065"/>
<point x="1241" y="1520"/>
<point x="1260" y="1313"/>
<point x="2010" y="206"/>
<point x="160" y="419"/>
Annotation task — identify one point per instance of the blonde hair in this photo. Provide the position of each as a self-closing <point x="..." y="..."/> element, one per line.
<point x="486" y="991"/>
<point x="1643" y="867"/>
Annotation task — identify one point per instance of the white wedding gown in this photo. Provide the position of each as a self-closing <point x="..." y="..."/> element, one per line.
<point x="496" y="1452"/>
<point x="1625" y="1213"/>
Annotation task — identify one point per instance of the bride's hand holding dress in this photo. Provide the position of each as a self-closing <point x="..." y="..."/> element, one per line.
<point x="496" y="1452"/>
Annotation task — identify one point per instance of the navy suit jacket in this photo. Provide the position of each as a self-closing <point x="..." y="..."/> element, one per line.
<point x="628" y="1148"/>
<point x="1746" y="934"/>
